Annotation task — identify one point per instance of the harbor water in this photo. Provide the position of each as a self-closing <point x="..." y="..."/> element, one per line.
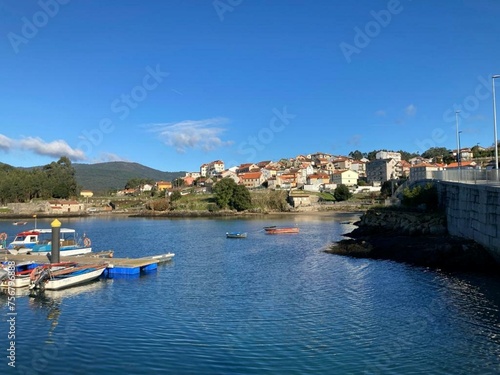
<point x="265" y="304"/>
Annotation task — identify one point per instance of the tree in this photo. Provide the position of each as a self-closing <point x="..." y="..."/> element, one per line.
<point x="241" y="199"/>
<point x="372" y="155"/>
<point x="405" y="155"/>
<point x="55" y="180"/>
<point x="136" y="182"/>
<point x="356" y="155"/>
<point x="436" y="153"/>
<point x="178" y="183"/>
<point x="230" y="195"/>
<point x="223" y="191"/>
<point x="342" y="193"/>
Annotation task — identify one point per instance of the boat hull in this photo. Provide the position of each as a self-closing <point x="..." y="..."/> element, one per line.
<point x="63" y="252"/>
<point x="281" y="230"/>
<point x="72" y="280"/>
<point x="18" y="282"/>
<point x="236" y="235"/>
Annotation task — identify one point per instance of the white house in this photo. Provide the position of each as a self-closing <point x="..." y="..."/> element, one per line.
<point x="388" y="155"/>
<point x="423" y="171"/>
<point x="346" y="177"/>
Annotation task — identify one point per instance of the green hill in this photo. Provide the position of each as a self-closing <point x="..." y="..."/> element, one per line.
<point x="102" y="177"/>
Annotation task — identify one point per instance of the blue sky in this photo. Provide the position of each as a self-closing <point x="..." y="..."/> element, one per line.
<point x="173" y="84"/>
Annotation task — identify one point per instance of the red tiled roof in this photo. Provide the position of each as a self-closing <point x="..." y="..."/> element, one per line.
<point x="462" y="164"/>
<point x="250" y="175"/>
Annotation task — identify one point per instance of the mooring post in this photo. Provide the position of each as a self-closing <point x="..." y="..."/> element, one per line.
<point x="55" y="252"/>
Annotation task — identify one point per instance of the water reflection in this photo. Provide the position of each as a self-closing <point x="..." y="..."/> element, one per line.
<point x="53" y="301"/>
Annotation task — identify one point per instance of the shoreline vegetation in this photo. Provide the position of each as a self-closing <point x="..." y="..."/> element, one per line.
<point x="350" y="209"/>
<point x="416" y="238"/>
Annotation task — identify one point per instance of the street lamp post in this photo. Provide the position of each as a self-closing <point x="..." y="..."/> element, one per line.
<point x="495" y="124"/>
<point x="459" y="158"/>
<point x="458" y="144"/>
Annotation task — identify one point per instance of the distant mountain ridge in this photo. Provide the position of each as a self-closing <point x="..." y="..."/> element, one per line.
<point x="102" y="177"/>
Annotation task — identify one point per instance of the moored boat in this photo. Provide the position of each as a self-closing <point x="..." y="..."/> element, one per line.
<point x="38" y="241"/>
<point x="56" y="277"/>
<point x="18" y="275"/>
<point x="236" y="235"/>
<point x="283" y="230"/>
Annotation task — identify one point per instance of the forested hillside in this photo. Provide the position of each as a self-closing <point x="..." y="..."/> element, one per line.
<point x="102" y="177"/>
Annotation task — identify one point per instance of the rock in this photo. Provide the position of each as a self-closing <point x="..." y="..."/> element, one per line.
<point x="416" y="238"/>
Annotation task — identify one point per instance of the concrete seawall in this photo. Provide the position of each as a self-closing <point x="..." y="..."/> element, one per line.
<point x="473" y="212"/>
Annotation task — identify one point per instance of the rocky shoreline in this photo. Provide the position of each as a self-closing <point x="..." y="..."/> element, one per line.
<point x="413" y="237"/>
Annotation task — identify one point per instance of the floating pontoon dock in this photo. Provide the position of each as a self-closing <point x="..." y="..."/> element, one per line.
<point x="115" y="266"/>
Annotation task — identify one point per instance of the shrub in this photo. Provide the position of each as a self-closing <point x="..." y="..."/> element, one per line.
<point x="342" y="193"/>
<point x="421" y="196"/>
<point x="158" y="205"/>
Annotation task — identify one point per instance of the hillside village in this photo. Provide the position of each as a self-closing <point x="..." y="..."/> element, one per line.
<point x="313" y="172"/>
<point x="302" y="177"/>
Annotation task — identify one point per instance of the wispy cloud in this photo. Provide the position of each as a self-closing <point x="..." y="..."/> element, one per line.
<point x="108" y="156"/>
<point x="193" y="134"/>
<point x="411" y="110"/>
<point x="355" y="140"/>
<point x="380" y="113"/>
<point x="38" y="146"/>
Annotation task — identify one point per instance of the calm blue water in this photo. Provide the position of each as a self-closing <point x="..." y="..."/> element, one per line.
<point x="262" y="305"/>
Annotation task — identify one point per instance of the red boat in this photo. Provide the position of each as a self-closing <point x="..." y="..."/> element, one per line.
<point x="276" y="230"/>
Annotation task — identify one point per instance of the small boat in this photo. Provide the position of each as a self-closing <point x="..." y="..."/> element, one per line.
<point x="38" y="241"/>
<point x="18" y="275"/>
<point x="19" y="223"/>
<point x="58" y="276"/>
<point x="236" y="235"/>
<point x="283" y="230"/>
<point x="345" y="222"/>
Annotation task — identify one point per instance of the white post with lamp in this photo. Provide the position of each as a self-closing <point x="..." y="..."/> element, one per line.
<point x="495" y="125"/>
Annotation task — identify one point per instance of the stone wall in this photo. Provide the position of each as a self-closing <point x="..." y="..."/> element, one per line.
<point x="472" y="211"/>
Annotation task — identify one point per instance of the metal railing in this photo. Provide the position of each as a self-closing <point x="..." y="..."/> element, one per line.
<point x="469" y="176"/>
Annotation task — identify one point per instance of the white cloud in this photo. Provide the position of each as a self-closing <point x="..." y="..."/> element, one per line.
<point x="380" y="113"/>
<point x="194" y="134"/>
<point x="5" y="143"/>
<point x="411" y="110"/>
<point x="38" y="146"/>
<point x="55" y="149"/>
